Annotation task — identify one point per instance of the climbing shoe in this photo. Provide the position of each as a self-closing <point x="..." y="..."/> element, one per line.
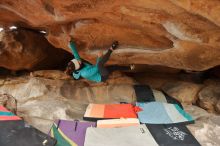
<point x="115" y="45"/>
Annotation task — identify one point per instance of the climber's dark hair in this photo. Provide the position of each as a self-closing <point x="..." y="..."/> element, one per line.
<point x="70" y="68"/>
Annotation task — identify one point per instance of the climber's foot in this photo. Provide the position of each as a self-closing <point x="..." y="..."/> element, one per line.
<point x="114" y="45"/>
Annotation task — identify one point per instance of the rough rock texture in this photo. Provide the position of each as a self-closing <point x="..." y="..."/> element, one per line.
<point x="184" y="92"/>
<point x="154" y="81"/>
<point x="206" y="128"/>
<point x="9" y="102"/>
<point x="44" y="97"/>
<point x="41" y="100"/>
<point x="50" y="74"/>
<point x="183" y="89"/>
<point x="180" y="34"/>
<point x="50" y="99"/>
<point x="24" y="49"/>
<point x="114" y="78"/>
<point x="217" y="107"/>
<point x="209" y="97"/>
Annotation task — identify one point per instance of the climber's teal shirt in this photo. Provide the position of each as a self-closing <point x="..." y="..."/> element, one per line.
<point x="90" y="72"/>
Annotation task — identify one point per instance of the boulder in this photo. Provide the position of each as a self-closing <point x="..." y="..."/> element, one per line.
<point x="28" y="50"/>
<point x="50" y="74"/>
<point x="209" y="97"/>
<point x="48" y="96"/>
<point x="206" y="128"/>
<point x="9" y="102"/>
<point x="116" y="77"/>
<point x="217" y="107"/>
<point x="184" y="92"/>
<point x="155" y="82"/>
<point x="155" y="76"/>
<point x="177" y="34"/>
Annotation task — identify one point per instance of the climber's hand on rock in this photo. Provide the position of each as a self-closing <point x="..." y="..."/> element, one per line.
<point x="100" y="54"/>
<point x="69" y="38"/>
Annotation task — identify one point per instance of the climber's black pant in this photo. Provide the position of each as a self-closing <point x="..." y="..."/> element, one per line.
<point x="105" y="71"/>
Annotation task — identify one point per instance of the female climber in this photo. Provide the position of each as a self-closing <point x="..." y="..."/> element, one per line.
<point x="98" y="72"/>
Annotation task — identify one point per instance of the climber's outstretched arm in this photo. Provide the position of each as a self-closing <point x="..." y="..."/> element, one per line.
<point x="72" y="46"/>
